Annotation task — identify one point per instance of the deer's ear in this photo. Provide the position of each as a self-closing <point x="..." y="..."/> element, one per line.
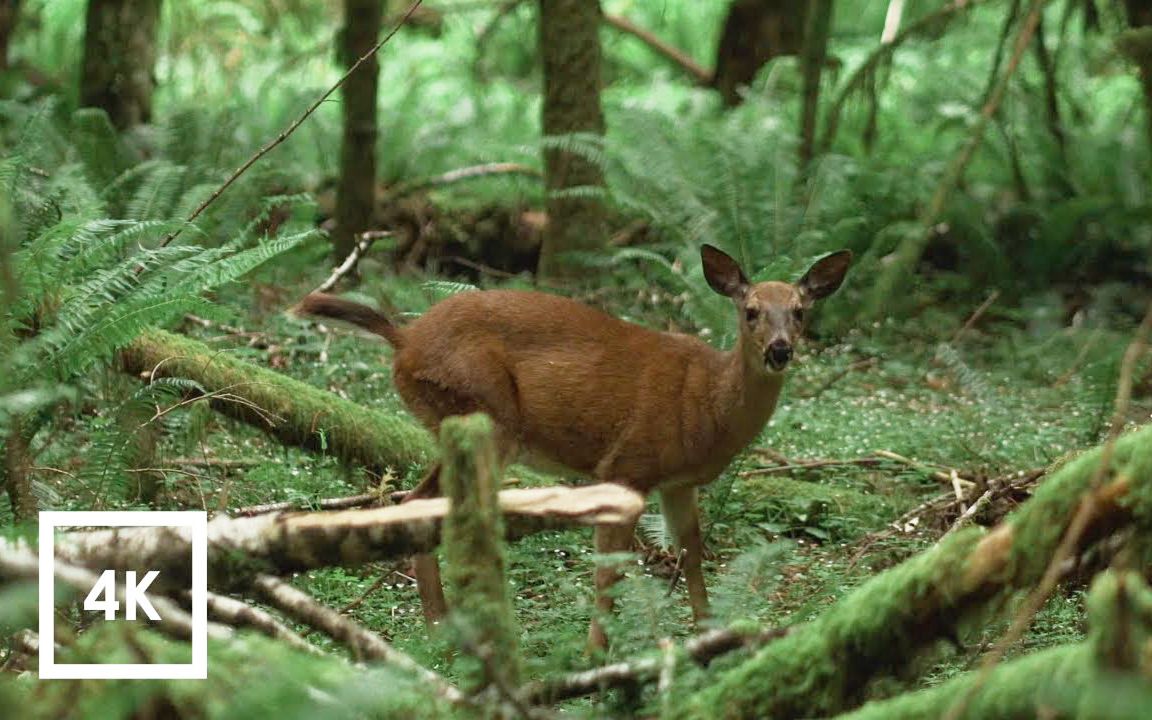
<point x="825" y="275"/>
<point x="722" y="273"/>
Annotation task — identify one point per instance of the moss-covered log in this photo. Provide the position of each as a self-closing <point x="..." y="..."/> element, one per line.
<point x="1112" y="670"/>
<point x="826" y="666"/>
<point x="474" y="550"/>
<point x="291" y="411"/>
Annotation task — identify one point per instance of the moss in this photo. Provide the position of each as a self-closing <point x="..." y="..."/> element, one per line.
<point x="474" y="551"/>
<point x="878" y="630"/>
<point x="840" y="512"/>
<point x="293" y="412"/>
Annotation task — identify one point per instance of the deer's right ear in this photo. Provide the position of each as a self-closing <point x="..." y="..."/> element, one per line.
<point x="722" y="273"/>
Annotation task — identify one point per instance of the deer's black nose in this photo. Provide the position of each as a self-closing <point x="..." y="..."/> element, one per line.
<point x="778" y="354"/>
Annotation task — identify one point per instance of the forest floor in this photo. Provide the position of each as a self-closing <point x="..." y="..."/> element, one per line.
<point x="872" y="425"/>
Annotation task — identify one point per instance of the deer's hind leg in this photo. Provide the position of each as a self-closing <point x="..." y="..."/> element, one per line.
<point x="425" y="566"/>
<point x="431" y="403"/>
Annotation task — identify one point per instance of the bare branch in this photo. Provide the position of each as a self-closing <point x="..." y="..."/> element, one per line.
<point x="911" y="246"/>
<point x="342" y="503"/>
<point x="681" y="59"/>
<point x="365" y="644"/>
<point x="240" y="614"/>
<point x="882" y="51"/>
<point x="466" y="173"/>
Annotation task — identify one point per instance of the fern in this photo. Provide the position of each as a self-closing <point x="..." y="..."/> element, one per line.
<point x="86" y="284"/>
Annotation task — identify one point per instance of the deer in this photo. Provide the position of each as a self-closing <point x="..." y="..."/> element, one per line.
<point x="574" y="389"/>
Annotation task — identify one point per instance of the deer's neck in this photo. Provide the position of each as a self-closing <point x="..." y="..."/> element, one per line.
<point x="747" y="395"/>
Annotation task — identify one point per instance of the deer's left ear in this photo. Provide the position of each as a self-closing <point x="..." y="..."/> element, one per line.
<point x="825" y="276"/>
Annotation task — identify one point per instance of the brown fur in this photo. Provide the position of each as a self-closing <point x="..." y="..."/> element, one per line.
<point x="571" y="387"/>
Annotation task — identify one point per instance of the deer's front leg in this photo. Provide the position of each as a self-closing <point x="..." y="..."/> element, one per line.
<point x="683" y="519"/>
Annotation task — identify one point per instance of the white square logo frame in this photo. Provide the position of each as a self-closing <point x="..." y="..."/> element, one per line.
<point x="197" y="523"/>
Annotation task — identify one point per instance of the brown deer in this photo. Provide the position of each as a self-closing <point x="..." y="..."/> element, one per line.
<point x="569" y="387"/>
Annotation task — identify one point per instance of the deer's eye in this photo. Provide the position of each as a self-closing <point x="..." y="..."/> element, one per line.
<point x="798" y="315"/>
<point x="751" y="314"/>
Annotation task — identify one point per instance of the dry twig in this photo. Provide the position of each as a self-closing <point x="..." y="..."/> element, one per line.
<point x="975" y="316"/>
<point x="364" y="242"/>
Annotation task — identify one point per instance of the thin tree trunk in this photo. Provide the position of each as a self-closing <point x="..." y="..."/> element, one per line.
<point x="816" y="33"/>
<point x="356" y="192"/>
<point x="570" y="53"/>
<point x="9" y="13"/>
<point x="1055" y="125"/>
<point x="474" y="553"/>
<point x="1137" y="45"/>
<point x="119" y="56"/>
<point x="888" y="285"/>
<point x="892" y="20"/>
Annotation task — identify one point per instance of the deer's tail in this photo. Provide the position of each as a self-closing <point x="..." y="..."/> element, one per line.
<point x="334" y="308"/>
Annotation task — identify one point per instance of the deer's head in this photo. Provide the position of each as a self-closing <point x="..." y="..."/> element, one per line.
<point x="773" y="314"/>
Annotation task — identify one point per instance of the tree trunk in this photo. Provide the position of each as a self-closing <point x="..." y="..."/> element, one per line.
<point x="817" y="29"/>
<point x="1058" y="175"/>
<point x="570" y="54"/>
<point x="755" y="31"/>
<point x="119" y="55"/>
<point x="1137" y="45"/>
<point x="356" y="192"/>
<point x="15" y="476"/>
<point x="9" y="13"/>
<point x="288" y="542"/>
<point x="1139" y="12"/>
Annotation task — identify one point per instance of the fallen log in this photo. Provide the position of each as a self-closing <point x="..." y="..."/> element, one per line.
<point x="1063" y="681"/>
<point x="292" y="412"/>
<point x="281" y="543"/>
<point x="827" y="666"/>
